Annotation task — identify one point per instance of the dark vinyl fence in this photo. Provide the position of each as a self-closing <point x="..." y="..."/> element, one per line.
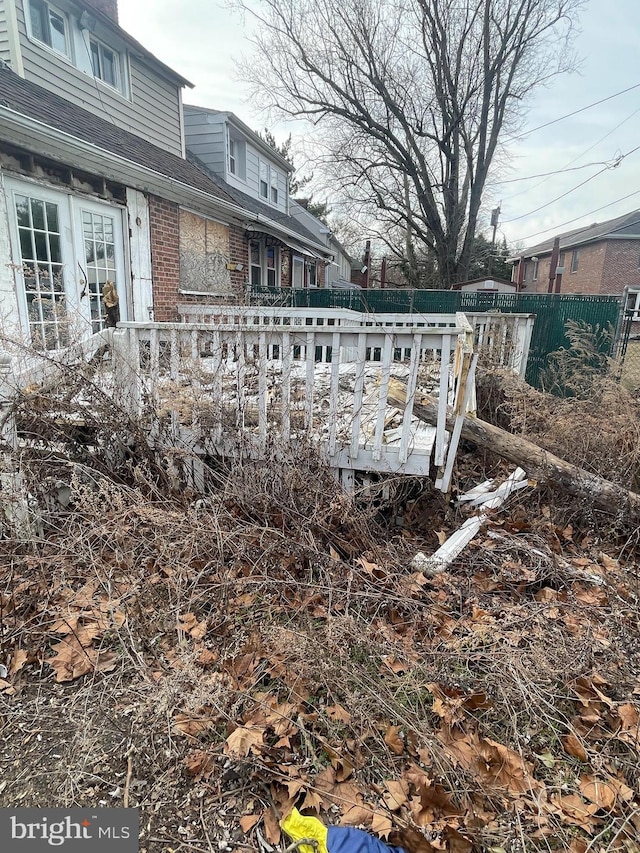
<point x="551" y="310"/>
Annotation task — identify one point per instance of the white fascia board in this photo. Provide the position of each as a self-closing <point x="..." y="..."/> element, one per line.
<point x="40" y="138"/>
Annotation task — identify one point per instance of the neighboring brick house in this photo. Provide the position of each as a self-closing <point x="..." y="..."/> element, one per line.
<point x="603" y="258"/>
<point x="94" y="184"/>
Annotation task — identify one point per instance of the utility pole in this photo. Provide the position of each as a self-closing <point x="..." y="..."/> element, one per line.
<point x="495" y="216"/>
<point x="553" y="264"/>
<point x="367" y="265"/>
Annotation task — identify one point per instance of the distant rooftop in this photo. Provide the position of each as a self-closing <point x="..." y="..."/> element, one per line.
<point x="622" y="227"/>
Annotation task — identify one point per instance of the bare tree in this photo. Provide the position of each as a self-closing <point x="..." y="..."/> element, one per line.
<point x="413" y="96"/>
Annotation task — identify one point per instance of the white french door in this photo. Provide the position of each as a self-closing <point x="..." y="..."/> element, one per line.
<point x="65" y="248"/>
<point x="99" y="241"/>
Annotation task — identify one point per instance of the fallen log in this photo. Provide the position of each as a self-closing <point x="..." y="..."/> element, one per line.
<point x="539" y="464"/>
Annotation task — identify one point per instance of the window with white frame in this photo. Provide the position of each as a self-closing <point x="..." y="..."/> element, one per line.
<point x="255" y="264"/>
<point x="297" y="272"/>
<point x="574" y="260"/>
<point x="536" y="264"/>
<point x="312" y="274"/>
<point x="633" y="303"/>
<point x="236" y="155"/>
<point x="49" y="26"/>
<point x="274" y="186"/>
<point x="272" y="256"/>
<point x="263" y="187"/>
<point x="105" y="63"/>
<point x="66" y="248"/>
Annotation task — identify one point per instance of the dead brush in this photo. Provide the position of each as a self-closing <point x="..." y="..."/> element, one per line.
<point x="266" y="644"/>
<point x="601" y="434"/>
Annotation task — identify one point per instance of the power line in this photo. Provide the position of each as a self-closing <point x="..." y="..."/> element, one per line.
<point x="574" y="113"/>
<point x="575" y="159"/>
<point x="549" y="174"/>
<point x="617" y="162"/>
<point x="582" y="215"/>
<point x="554" y="200"/>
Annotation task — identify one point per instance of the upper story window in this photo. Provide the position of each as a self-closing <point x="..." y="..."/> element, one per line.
<point x="268" y="182"/>
<point x="105" y="63"/>
<point x="535" y="269"/>
<point x="50" y="26"/>
<point x="236" y="156"/>
<point x="264" y="179"/>
<point x="574" y="261"/>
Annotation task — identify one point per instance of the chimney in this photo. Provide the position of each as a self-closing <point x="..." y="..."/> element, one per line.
<point x="107" y="7"/>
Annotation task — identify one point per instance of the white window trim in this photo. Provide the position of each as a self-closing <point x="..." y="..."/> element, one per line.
<point x="240" y="174"/>
<point x="118" y="87"/>
<point x="635" y="307"/>
<point x="273" y="173"/>
<point x="83" y="38"/>
<point x="264" y="276"/>
<point x="66" y="57"/>
<point x="267" y="166"/>
<point x="298" y="260"/>
<point x="575" y="256"/>
<point x="259" y="265"/>
<point x="277" y="259"/>
<point x="307" y="273"/>
<point x="536" y="265"/>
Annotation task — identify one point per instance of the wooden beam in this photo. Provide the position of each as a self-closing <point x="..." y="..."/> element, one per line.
<point x="540" y="464"/>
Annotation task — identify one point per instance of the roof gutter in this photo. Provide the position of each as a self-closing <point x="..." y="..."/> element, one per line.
<point x="47" y="141"/>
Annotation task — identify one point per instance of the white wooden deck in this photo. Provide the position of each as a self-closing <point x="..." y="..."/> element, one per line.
<point x="234" y="380"/>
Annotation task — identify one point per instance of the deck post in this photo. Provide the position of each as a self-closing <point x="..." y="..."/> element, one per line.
<point x="126" y="371"/>
<point x="14" y="501"/>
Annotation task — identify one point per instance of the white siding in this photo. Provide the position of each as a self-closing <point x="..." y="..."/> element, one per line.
<point x="9" y="317"/>
<point x="5" y="51"/>
<point x="205" y="137"/>
<point x="319" y="230"/>
<point x="152" y="111"/>
<point x="253" y="172"/>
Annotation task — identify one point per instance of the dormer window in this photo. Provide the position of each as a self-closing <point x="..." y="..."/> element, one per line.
<point x="105" y="63"/>
<point x="236" y="155"/>
<point x="49" y="26"/>
<point x="268" y="183"/>
<point x="264" y="179"/>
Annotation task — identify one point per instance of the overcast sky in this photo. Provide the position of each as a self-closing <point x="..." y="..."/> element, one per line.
<point x="202" y="39"/>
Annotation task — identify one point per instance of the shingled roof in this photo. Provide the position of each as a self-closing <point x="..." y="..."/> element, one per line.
<point x="37" y="103"/>
<point x="622" y="227"/>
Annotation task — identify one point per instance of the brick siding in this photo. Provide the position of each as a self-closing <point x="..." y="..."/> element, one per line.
<point x="107" y="7"/>
<point x="164" y="225"/>
<point x="621" y="266"/>
<point x="239" y="254"/>
<point x="606" y="267"/>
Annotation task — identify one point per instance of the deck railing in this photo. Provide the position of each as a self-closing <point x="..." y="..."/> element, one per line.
<point x="501" y="339"/>
<point x="300" y="375"/>
<point x="235" y="379"/>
